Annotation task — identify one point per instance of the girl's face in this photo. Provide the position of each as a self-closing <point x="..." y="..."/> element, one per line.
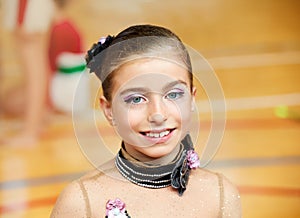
<point x="151" y="105"/>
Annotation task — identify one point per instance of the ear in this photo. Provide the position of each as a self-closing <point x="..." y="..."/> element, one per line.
<point x="107" y="109"/>
<point x="193" y="102"/>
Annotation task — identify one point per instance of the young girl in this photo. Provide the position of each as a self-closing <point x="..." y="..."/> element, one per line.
<point x="148" y="98"/>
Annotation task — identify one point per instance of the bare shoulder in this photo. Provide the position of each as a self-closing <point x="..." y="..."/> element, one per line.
<point x="230" y="190"/>
<point x="232" y="202"/>
<point x="216" y="178"/>
<point x="229" y="198"/>
<point x="75" y="199"/>
<point x="70" y="202"/>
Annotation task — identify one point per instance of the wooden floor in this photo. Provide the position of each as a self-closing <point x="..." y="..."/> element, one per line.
<point x="254" y="47"/>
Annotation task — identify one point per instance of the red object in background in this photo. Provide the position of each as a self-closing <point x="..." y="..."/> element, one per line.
<point x="21" y="11"/>
<point x="64" y="37"/>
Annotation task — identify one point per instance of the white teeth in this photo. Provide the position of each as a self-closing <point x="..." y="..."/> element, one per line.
<point x="158" y="135"/>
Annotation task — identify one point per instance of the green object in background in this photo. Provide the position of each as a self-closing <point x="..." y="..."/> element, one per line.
<point x="282" y="111"/>
<point x="74" y="69"/>
<point x="285" y="112"/>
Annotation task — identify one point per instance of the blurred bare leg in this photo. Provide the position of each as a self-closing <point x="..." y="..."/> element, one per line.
<point x="34" y="60"/>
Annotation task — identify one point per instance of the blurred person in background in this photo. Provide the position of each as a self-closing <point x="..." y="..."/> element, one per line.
<point x="29" y="20"/>
<point x="41" y="32"/>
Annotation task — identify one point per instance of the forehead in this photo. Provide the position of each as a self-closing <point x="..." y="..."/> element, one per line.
<point x="153" y="74"/>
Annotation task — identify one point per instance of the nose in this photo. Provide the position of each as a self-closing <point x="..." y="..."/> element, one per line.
<point x="157" y="111"/>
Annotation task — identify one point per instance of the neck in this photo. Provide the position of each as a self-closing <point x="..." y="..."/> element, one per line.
<point x="172" y="169"/>
<point x="142" y="159"/>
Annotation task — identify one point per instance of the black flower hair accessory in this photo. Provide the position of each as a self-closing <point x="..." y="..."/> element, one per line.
<point x="98" y="47"/>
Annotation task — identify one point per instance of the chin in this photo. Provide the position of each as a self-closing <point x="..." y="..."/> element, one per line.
<point x="157" y="151"/>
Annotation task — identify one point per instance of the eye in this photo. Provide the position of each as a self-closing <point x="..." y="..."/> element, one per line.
<point x="173" y="95"/>
<point x="135" y="99"/>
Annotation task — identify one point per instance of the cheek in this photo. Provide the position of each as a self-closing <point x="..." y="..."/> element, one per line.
<point x="136" y="118"/>
<point x="181" y="111"/>
<point x="129" y="118"/>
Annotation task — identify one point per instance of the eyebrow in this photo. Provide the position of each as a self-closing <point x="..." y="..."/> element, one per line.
<point x="136" y="89"/>
<point x="174" y="83"/>
<point x="144" y="89"/>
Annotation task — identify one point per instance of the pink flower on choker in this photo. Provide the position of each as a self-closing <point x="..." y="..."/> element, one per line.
<point x="116" y="209"/>
<point x="193" y="159"/>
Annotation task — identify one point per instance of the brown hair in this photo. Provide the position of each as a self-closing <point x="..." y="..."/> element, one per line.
<point x="139" y="41"/>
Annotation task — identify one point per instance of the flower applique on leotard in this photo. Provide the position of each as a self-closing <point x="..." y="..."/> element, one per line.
<point x="116" y="209"/>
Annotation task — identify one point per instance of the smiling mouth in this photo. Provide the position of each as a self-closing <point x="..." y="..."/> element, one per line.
<point x="158" y="134"/>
